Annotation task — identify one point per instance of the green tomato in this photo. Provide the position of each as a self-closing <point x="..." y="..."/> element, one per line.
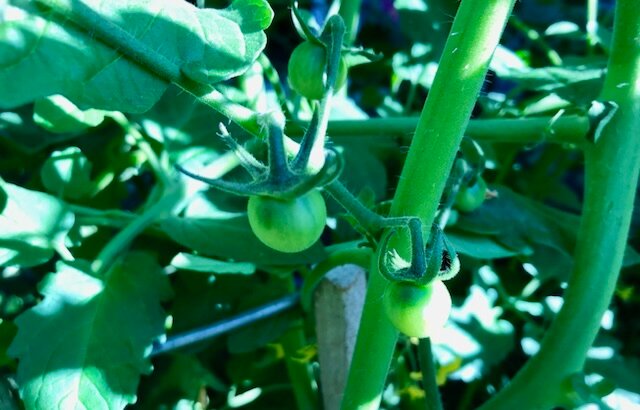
<point x="288" y="225"/>
<point x="306" y="70"/>
<point x="470" y="198"/>
<point x="417" y="310"/>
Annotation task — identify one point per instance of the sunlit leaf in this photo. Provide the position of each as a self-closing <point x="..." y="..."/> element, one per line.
<point x="31" y="223"/>
<point x="86" y="343"/>
<point x="232" y="238"/>
<point x="67" y="173"/>
<point x="57" y="114"/>
<point x="44" y="53"/>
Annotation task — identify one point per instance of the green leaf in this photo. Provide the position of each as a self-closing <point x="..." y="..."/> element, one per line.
<point x="57" y="114"/>
<point x="197" y="263"/>
<point x="552" y="78"/>
<point x="518" y="222"/>
<point x="55" y="47"/>
<point x="479" y="246"/>
<point x="67" y="173"/>
<point x="580" y="84"/>
<point x="232" y="238"/>
<point x="18" y="128"/>
<point x="86" y="343"/>
<point x="186" y="127"/>
<point x="32" y="223"/>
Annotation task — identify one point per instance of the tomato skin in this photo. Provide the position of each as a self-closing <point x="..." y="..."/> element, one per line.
<point x="470" y="198"/>
<point x="417" y="310"/>
<point x="288" y="225"/>
<point x="306" y="70"/>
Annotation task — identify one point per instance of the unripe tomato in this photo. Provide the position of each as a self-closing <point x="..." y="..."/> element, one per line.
<point x="288" y="225"/>
<point x="470" y="198"/>
<point x="306" y="70"/>
<point x="417" y="310"/>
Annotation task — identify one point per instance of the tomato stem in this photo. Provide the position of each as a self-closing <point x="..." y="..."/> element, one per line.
<point x="278" y="165"/>
<point x="116" y="246"/>
<point x="428" y="370"/>
<point x="474" y="36"/>
<point x="612" y="168"/>
<point x="567" y="129"/>
<point x="335" y="33"/>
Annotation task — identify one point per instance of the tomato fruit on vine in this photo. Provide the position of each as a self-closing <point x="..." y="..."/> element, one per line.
<point x="417" y="310"/>
<point x="288" y="225"/>
<point x="471" y="197"/>
<point x="306" y="70"/>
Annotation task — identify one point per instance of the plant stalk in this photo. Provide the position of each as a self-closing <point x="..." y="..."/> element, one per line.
<point x="112" y="250"/>
<point x="474" y="36"/>
<point x="612" y="167"/>
<point x="568" y="129"/>
<point x="428" y="370"/>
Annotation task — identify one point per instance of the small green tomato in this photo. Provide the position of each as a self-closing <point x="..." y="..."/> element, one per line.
<point x="470" y="198"/>
<point x="306" y="70"/>
<point x="417" y="310"/>
<point x="288" y="225"/>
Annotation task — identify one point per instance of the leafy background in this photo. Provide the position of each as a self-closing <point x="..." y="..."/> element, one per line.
<point x="73" y="176"/>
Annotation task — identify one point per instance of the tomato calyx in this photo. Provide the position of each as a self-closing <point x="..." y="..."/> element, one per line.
<point x="436" y="260"/>
<point x="280" y="177"/>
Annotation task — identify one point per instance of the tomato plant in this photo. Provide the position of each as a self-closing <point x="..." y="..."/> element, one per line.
<point x="417" y="310"/>
<point x="306" y="70"/>
<point x="180" y="229"/>
<point x="288" y="225"/>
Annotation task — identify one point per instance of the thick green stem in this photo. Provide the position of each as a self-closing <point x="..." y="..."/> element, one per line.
<point x="474" y="36"/>
<point x="612" y="166"/>
<point x="428" y="370"/>
<point x="570" y="129"/>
